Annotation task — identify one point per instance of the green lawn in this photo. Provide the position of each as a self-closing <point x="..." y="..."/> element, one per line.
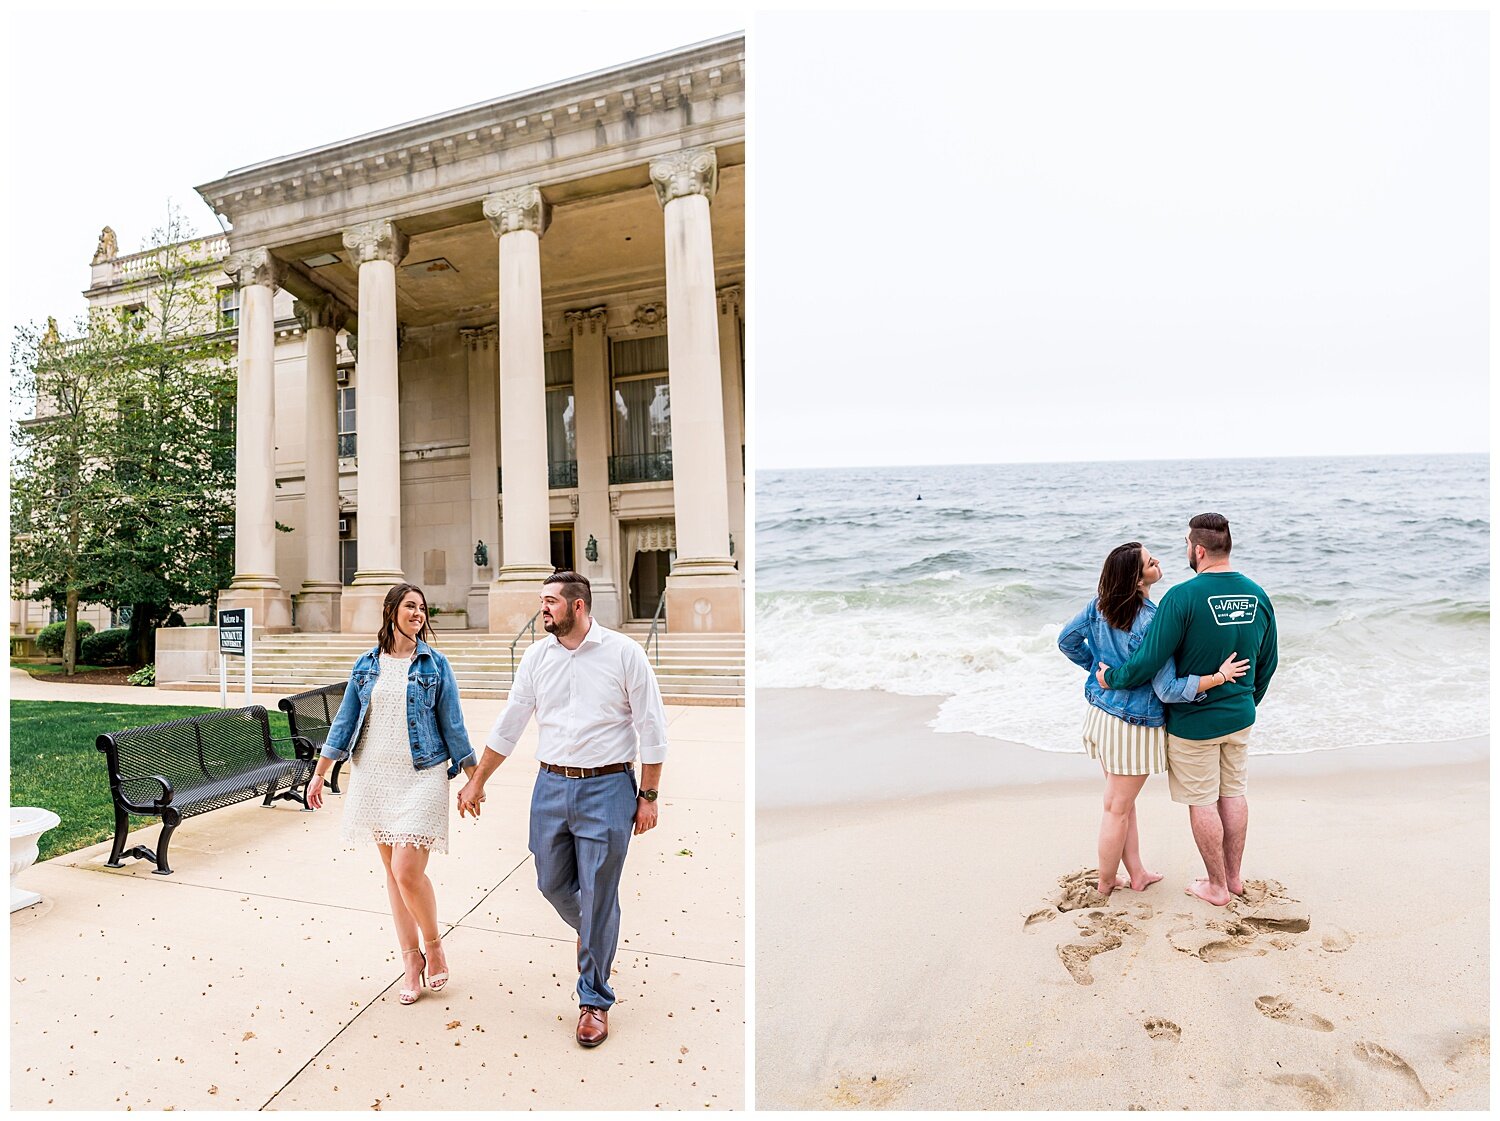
<point x="54" y="763"/>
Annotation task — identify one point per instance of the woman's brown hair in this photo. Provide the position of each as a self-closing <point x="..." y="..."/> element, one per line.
<point x="1120" y="594"/>
<point x="387" y="636"/>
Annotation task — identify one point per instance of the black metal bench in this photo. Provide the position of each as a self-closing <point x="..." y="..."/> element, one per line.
<point x="310" y="715"/>
<point x="195" y="764"/>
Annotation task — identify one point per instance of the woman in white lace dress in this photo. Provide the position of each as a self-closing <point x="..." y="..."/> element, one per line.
<point x="401" y="720"/>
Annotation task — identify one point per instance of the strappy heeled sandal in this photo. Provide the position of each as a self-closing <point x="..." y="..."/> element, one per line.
<point x="437" y="980"/>
<point x="409" y="996"/>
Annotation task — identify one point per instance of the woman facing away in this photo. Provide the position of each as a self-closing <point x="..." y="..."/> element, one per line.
<point x="401" y="719"/>
<point x="1125" y="729"/>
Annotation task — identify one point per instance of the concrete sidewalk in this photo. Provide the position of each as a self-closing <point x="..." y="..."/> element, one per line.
<point x="263" y="972"/>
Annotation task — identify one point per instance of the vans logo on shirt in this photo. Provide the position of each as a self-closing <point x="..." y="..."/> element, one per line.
<point x="1233" y="611"/>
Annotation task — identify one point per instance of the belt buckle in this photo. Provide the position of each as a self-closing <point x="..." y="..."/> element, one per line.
<point x="572" y="772"/>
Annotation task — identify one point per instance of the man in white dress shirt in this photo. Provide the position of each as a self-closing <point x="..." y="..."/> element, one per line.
<point x="597" y="707"/>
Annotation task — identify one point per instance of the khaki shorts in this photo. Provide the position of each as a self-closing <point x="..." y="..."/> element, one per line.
<point x="1200" y="772"/>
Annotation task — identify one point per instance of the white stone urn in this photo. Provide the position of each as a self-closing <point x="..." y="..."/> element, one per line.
<point x="27" y="824"/>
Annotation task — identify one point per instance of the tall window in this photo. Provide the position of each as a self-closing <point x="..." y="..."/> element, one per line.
<point x="562" y="446"/>
<point x="642" y="410"/>
<point x="229" y="307"/>
<point x="348" y="549"/>
<point x="348" y="442"/>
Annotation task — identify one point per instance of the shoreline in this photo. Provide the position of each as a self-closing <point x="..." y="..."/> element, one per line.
<point x="1359" y="980"/>
<point x="832" y="746"/>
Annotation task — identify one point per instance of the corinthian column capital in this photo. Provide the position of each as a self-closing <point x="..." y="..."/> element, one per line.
<point x="253" y="266"/>
<point x="322" y="312"/>
<point x="586" y="320"/>
<point x="379" y="240"/>
<point x="692" y="171"/>
<point x="520" y="208"/>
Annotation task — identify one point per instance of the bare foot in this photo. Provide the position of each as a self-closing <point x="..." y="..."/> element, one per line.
<point x="1236" y="887"/>
<point x="1143" y="881"/>
<point x="1206" y="891"/>
<point x="1105" y="888"/>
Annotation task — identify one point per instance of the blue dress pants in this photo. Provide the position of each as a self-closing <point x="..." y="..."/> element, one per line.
<point x="580" y="829"/>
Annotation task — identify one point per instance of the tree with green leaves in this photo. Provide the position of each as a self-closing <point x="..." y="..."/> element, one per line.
<point x="60" y="467"/>
<point x="154" y="504"/>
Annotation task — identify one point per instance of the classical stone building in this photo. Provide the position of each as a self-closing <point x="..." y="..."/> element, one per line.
<point x="479" y="346"/>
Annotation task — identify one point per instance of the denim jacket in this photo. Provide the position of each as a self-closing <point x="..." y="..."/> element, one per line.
<point x="1089" y="640"/>
<point x="434" y="719"/>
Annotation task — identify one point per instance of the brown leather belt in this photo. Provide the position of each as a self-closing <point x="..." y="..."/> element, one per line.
<point x="586" y="772"/>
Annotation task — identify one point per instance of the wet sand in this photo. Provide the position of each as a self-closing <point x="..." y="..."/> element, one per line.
<point x="922" y="941"/>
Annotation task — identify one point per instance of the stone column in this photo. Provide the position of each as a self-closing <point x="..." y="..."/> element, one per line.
<point x="318" y="605"/>
<point x="731" y="311"/>
<point x="703" y="590"/>
<point x="376" y="248"/>
<point x="591" y="424"/>
<point x="484" y="494"/>
<point x="255" y="585"/>
<point x="519" y="218"/>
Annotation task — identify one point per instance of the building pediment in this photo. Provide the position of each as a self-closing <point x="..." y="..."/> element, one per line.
<point x="585" y="132"/>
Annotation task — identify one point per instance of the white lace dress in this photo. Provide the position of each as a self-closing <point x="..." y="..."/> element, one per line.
<point x="390" y="801"/>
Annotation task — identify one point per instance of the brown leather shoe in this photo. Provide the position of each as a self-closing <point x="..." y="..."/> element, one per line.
<point x="593" y="1026"/>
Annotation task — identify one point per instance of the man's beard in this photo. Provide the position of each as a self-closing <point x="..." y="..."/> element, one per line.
<point x="560" y="625"/>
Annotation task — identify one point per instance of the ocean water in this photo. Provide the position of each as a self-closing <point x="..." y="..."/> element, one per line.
<point x="1378" y="569"/>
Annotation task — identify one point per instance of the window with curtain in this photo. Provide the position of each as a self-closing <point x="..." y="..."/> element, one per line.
<point x="348" y="441"/>
<point x="562" y="445"/>
<point x="642" y="396"/>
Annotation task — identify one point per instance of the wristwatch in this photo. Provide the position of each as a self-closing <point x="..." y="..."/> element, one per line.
<point x="649" y="795"/>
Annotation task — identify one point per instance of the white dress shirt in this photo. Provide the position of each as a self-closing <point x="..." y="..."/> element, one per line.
<point x="594" y="706"/>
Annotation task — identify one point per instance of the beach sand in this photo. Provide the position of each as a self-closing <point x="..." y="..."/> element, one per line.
<point x="911" y="952"/>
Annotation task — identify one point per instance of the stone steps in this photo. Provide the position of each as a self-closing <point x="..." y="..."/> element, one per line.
<point x="691" y="669"/>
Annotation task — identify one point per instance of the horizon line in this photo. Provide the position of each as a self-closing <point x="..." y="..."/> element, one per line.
<point x="1158" y="459"/>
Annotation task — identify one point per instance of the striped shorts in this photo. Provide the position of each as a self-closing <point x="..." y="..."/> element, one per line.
<point x="1124" y="749"/>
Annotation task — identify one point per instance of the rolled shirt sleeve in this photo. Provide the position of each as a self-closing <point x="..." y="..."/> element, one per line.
<point x="647" y="713"/>
<point x="519" y="706"/>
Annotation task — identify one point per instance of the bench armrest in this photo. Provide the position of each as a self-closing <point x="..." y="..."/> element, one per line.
<point x="162" y="801"/>
<point x="301" y="748"/>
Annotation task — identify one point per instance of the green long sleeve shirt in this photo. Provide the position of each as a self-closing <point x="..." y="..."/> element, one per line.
<point x="1199" y="624"/>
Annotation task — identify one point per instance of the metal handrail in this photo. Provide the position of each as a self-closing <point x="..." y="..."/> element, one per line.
<point x="520" y="634"/>
<point x="659" y="619"/>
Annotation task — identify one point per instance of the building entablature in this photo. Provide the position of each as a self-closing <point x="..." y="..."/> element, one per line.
<point x="586" y="137"/>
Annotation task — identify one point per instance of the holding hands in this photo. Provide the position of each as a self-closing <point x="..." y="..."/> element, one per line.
<point x="470" y="797"/>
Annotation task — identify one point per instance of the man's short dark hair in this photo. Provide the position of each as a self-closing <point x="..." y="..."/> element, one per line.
<point x="574" y="586"/>
<point x="1210" y="531"/>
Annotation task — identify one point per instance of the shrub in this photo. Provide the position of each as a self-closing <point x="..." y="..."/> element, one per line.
<point x="146" y="675"/>
<point x="107" y="648"/>
<point x="49" y="639"/>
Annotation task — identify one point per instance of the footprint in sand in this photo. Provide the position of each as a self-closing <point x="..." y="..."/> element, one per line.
<point x="1078" y="891"/>
<point x="1266" y="906"/>
<point x="1163" y="1029"/>
<point x="1384" y="1059"/>
<point x="854" y="1091"/>
<point x="1215" y="942"/>
<point x="1046" y="914"/>
<point x="1336" y="940"/>
<point x="1316" y="1094"/>
<point x="1076" y="957"/>
<point x="1284" y="1011"/>
<point x="1472" y="1054"/>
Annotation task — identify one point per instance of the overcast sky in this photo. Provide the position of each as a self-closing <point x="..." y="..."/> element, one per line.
<point x="1032" y="237"/>
<point x="114" y="109"/>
